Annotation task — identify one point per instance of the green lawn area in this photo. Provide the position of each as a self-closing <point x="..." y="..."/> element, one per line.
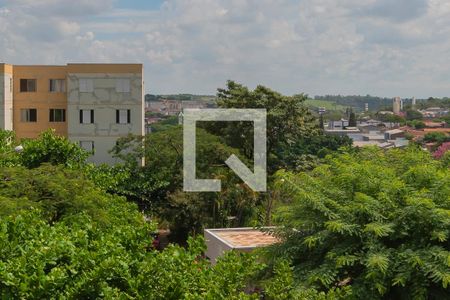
<point x="329" y="105"/>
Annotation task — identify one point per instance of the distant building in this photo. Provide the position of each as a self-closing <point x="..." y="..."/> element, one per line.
<point x="169" y="107"/>
<point x="434" y="112"/>
<point x="396" y="105"/>
<point x="373" y="136"/>
<point x="394" y="134"/>
<point x="90" y="104"/>
<point x="338" y="124"/>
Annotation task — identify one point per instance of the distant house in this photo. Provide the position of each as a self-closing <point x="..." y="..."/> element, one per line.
<point x="373" y="137"/>
<point x="349" y="131"/>
<point x="170" y="107"/>
<point x="394" y="134"/>
<point x="338" y="124"/>
<point x="431" y="124"/>
<point x="366" y="127"/>
<point x="434" y="112"/>
<point x="219" y="241"/>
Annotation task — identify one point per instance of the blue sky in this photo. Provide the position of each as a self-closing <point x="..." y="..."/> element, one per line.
<point x="140" y="4"/>
<point x="379" y="47"/>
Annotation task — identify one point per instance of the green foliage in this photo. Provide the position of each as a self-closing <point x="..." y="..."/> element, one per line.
<point x="157" y="186"/>
<point x="416" y="124"/>
<point x="433" y="102"/>
<point x="55" y="190"/>
<point x="436" y="137"/>
<point x="329" y="105"/>
<point x="356" y="101"/>
<point x="373" y="221"/>
<point x="352" y="119"/>
<point x="8" y="155"/>
<point x="98" y="246"/>
<point x="391" y="118"/>
<point x="164" y="124"/>
<point x="54" y="149"/>
<point x="288" y="119"/>
<point x="413" y="115"/>
<point x="321" y="124"/>
<point x="302" y="154"/>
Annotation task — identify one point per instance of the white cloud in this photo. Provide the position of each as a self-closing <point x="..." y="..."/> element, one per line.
<point x="316" y="46"/>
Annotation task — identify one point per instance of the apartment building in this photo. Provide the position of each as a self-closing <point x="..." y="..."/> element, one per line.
<point x="91" y="104"/>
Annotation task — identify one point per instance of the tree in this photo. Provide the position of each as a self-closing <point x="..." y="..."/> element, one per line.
<point x="374" y="221"/>
<point x="321" y="125"/>
<point x="413" y="115"/>
<point x="99" y="246"/>
<point x="53" y="149"/>
<point x="416" y="124"/>
<point x="352" y="119"/>
<point x="158" y="186"/>
<point x="436" y="137"/>
<point x="288" y="119"/>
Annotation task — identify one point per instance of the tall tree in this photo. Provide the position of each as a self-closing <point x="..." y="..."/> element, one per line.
<point x="352" y="119"/>
<point x="288" y="119"/>
<point x="321" y="125"/>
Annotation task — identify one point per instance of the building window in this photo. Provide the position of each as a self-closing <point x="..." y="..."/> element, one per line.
<point x="123" y="116"/>
<point x="86" y="116"/>
<point x="57" y="115"/>
<point x="122" y="85"/>
<point x="28" y="85"/>
<point x="57" y="85"/>
<point x="86" y="85"/>
<point x="28" y="115"/>
<point x="87" y="145"/>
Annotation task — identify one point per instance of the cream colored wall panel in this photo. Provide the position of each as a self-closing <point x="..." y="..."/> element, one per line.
<point x="6" y="104"/>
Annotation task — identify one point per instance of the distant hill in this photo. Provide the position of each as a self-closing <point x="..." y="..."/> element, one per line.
<point x="180" y="97"/>
<point x="328" y="105"/>
<point x="356" y="101"/>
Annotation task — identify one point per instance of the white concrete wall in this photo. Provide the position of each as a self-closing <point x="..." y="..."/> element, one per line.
<point x="6" y="112"/>
<point x="104" y="100"/>
<point x="215" y="247"/>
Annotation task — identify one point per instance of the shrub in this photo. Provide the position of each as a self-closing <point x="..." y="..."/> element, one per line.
<point x="376" y="222"/>
<point x="63" y="238"/>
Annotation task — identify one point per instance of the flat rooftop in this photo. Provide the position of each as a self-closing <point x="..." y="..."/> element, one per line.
<point x="243" y="237"/>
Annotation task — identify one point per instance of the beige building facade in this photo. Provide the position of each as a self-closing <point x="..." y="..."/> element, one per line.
<point x="91" y="104"/>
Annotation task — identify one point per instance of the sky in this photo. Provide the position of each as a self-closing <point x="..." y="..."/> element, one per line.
<point x="379" y="47"/>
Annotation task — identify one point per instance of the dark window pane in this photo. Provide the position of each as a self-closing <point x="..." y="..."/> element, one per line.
<point x="28" y="85"/>
<point x="23" y="85"/>
<point x="33" y="115"/>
